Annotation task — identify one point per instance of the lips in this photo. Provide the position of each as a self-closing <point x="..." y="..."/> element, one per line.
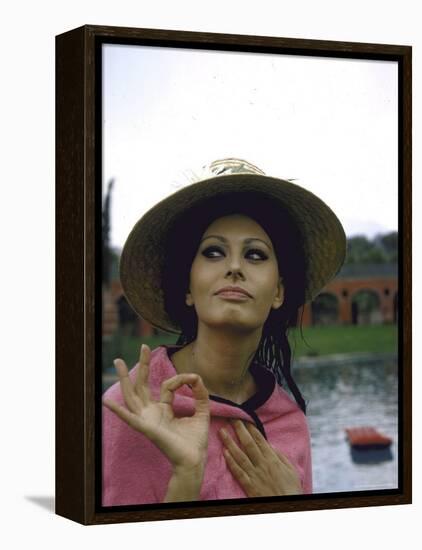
<point x="233" y="291"/>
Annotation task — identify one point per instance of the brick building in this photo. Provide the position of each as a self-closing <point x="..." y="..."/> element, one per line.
<point x="360" y="294"/>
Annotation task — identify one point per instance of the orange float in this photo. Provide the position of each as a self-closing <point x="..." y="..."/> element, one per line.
<point x="367" y="438"/>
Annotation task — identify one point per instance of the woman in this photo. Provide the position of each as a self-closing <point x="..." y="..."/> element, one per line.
<point x="226" y="262"/>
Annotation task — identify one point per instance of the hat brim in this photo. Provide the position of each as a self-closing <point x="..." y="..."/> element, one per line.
<point x="142" y="259"/>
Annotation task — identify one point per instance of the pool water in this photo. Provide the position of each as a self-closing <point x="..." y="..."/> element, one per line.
<point x="347" y="396"/>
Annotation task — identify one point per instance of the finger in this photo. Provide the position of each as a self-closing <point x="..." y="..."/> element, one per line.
<point x="248" y="442"/>
<point x="285" y="460"/>
<point x="293" y="471"/>
<point x="125" y="384"/>
<point x="236" y="452"/>
<point x="260" y="440"/>
<point x="123" y="413"/>
<point x="168" y="387"/>
<point x="200" y="393"/>
<point x="238" y="473"/>
<point x="141" y="383"/>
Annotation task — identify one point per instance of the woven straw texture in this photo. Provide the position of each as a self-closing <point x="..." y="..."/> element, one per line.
<point x="142" y="259"/>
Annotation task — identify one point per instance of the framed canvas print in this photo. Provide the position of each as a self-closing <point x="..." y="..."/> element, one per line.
<point x="233" y="274"/>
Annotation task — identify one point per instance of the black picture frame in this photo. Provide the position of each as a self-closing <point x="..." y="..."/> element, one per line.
<point x="78" y="272"/>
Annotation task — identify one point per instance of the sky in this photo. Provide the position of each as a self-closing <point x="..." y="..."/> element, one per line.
<point x="330" y="124"/>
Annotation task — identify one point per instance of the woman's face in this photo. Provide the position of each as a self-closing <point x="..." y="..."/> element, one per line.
<point x="234" y="278"/>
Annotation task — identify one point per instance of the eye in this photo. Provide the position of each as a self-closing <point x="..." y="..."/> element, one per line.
<point x="213" y="252"/>
<point x="256" y="254"/>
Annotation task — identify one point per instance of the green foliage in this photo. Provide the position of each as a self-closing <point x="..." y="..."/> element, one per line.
<point x="381" y="249"/>
<point x="366" y="301"/>
<point x="389" y="242"/>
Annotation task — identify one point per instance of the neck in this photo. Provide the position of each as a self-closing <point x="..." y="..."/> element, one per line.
<point x="222" y="359"/>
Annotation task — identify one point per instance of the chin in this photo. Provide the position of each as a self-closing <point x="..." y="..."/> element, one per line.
<point x="234" y="323"/>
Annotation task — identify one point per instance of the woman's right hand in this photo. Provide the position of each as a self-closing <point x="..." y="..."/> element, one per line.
<point x="183" y="440"/>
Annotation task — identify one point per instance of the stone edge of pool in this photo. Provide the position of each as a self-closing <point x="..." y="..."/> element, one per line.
<point x="363" y="358"/>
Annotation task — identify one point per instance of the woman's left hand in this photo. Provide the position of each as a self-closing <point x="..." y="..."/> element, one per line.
<point x="259" y="469"/>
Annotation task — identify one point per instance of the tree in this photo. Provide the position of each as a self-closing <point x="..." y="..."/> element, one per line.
<point x="389" y="242"/>
<point x="381" y="249"/>
<point x="106" y="228"/>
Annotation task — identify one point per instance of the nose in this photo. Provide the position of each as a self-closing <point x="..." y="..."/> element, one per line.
<point x="234" y="268"/>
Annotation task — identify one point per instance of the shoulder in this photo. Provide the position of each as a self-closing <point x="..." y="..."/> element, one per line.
<point x="280" y="406"/>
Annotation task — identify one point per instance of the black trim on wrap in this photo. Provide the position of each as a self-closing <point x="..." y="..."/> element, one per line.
<point x="265" y="382"/>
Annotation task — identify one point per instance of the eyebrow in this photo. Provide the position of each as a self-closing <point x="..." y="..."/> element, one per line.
<point x="246" y="241"/>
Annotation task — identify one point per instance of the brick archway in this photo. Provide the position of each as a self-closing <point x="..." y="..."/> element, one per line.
<point x="350" y="281"/>
<point x="366" y="307"/>
<point x="325" y="309"/>
<point x="381" y="279"/>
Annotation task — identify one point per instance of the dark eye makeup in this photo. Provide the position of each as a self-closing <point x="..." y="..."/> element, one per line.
<point x="251" y="253"/>
<point x="213" y="252"/>
<point x="256" y="254"/>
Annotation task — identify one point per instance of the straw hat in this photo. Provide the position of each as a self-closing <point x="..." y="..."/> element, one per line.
<point x="142" y="259"/>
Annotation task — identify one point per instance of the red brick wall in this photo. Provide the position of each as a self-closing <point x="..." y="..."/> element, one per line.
<point x="352" y="286"/>
<point x="335" y="287"/>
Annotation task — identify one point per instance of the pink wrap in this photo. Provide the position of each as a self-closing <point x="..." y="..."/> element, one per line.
<point x="136" y="472"/>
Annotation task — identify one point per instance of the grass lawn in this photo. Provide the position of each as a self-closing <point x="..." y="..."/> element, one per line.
<point x="316" y="341"/>
<point x="344" y="339"/>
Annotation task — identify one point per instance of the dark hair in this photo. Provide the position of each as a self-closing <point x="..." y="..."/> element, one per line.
<point x="184" y="237"/>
